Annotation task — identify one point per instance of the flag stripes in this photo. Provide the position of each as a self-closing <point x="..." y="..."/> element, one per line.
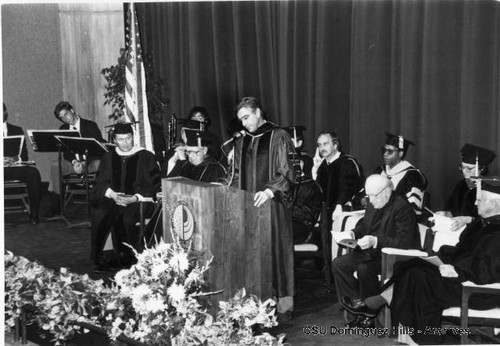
<point x="136" y="103"/>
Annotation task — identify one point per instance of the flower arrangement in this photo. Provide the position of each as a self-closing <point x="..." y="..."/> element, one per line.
<point x="56" y="302"/>
<point x="158" y="301"/>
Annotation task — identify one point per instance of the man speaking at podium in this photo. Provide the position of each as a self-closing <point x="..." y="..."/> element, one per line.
<point x="261" y="165"/>
<point x="126" y="176"/>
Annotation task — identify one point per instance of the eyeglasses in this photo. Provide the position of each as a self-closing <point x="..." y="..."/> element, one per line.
<point x="388" y="150"/>
<point x="373" y="197"/>
<point x="194" y="152"/>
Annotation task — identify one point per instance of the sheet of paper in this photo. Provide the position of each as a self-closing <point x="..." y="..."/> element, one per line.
<point x="338" y="236"/>
<point x="434" y="260"/>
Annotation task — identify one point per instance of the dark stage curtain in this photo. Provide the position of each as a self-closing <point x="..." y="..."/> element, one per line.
<point x="430" y="71"/>
<point x="426" y="69"/>
<point x="293" y="56"/>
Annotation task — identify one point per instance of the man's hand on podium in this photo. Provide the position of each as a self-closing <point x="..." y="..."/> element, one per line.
<point x="261" y="197"/>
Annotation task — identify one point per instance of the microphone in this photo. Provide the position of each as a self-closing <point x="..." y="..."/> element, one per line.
<point x="236" y="135"/>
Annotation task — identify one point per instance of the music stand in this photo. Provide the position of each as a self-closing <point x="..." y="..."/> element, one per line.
<point x="13" y="146"/>
<point x="86" y="147"/>
<point x="44" y="141"/>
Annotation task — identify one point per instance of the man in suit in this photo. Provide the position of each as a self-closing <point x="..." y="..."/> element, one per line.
<point x="27" y="174"/>
<point x="389" y="221"/>
<point x="65" y="113"/>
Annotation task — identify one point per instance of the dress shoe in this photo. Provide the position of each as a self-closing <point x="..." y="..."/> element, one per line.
<point x="358" y="307"/>
<point x="361" y="322"/>
<point x="105" y="268"/>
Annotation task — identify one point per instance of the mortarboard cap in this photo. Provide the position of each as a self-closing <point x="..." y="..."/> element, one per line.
<point x="197" y="138"/>
<point x="470" y="151"/>
<point x="490" y="184"/>
<point x="296" y="132"/>
<point x="398" y="141"/>
<point x="192" y="124"/>
<point x="122" y="128"/>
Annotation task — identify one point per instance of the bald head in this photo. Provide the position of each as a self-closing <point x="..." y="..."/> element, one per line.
<point x="378" y="189"/>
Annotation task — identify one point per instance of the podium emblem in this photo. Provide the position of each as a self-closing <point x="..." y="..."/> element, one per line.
<point x="183" y="220"/>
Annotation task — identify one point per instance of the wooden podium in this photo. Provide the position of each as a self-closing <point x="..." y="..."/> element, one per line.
<point x="222" y="222"/>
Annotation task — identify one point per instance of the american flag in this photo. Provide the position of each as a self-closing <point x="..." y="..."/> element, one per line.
<point x="136" y="103"/>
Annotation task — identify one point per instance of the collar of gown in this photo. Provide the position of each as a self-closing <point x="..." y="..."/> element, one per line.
<point x="398" y="168"/>
<point x="492" y="220"/>
<point x="131" y="152"/>
<point x="267" y="126"/>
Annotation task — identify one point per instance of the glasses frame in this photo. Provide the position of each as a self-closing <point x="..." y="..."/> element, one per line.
<point x="390" y="151"/>
<point x="374" y="197"/>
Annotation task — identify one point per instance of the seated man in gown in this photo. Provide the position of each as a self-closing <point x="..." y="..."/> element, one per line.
<point x="308" y="195"/>
<point x="197" y="160"/>
<point x="389" y="221"/>
<point x="407" y="179"/>
<point x="419" y="291"/>
<point x="126" y="176"/>
<point x="461" y="204"/>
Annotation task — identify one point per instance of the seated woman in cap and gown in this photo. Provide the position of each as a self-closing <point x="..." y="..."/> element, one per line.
<point x="126" y="176"/>
<point x="461" y="204"/>
<point x="198" y="159"/>
<point x="419" y="291"/>
<point x="307" y="199"/>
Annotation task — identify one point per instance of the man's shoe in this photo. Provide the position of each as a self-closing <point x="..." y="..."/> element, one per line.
<point x="361" y="322"/>
<point x="358" y="307"/>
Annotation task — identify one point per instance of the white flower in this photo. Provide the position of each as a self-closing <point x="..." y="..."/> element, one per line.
<point x="193" y="277"/>
<point x="163" y="247"/>
<point x="158" y="269"/>
<point x="140" y="296"/>
<point x="180" y="260"/>
<point x="154" y="305"/>
<point x="176" y="292"/>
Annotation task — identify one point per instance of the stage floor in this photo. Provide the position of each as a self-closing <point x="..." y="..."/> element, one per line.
<point x="54" y="245"/>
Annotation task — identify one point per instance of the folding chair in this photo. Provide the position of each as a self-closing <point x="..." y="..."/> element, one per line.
<point x="307" y="250"/>
<point x="16" y="190"/>
<point x="467" y="316"/>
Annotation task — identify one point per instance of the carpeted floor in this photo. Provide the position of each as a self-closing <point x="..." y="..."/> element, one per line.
<point x="317" y="318"/>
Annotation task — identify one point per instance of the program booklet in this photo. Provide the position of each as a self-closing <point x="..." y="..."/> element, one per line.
<point x="433" y="260"/>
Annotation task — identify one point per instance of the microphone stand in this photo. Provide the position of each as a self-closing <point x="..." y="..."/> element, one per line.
<point x="87" y="194"/>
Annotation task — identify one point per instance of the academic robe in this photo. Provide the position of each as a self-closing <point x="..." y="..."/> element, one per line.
<point x="136" y="173"/>
<point x="420" y="292"/>
<point x="408" y="181"/>
<point x="462" y="201"/>
<point x="340" y="180"/>
<point x="209" y="170"/>
<point x="261" y="161"/>
<point x="306" y="208"/>
<point x="394" y="225"/>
